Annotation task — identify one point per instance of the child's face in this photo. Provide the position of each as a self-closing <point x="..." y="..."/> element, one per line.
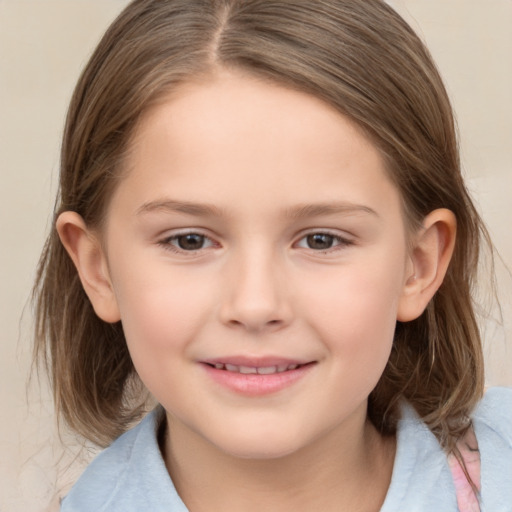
<point x="256" y="227"/>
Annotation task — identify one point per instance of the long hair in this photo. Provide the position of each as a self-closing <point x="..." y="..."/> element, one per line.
<point x="359" y="57"/>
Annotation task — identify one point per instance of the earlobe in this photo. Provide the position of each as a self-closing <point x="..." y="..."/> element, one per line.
<point x="430" y="256"/>
<point x="89" y="259"/>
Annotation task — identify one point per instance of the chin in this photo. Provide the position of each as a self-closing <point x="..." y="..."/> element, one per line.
<point x="260" y="446"/>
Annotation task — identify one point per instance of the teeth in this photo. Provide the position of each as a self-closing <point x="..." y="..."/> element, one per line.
<point x="268" y="370"/>
<point x="264" y="370"/>
<point x="247" y="369"/>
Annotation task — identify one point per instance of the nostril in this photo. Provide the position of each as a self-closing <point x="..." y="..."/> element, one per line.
<point x="255" y="324"/>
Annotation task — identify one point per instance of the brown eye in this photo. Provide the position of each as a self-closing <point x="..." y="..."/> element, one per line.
<point x="190" y="241"/>
<point x="320" y="241"/>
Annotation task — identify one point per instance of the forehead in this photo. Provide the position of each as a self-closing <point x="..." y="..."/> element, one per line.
<point x="216" y="139"/>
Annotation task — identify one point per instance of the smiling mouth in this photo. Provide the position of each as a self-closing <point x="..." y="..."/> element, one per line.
<point x="255" y="377"/>
<point x="259" y="370"/>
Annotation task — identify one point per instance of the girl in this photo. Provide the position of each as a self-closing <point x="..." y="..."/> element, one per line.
<point x="262" y="222"/>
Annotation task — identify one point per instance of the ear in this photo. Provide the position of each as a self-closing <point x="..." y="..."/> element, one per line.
<point x="87" y="254"/>
<point x="430" y="256"/>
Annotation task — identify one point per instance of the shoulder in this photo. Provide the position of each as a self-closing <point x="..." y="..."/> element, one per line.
<point x="492" y="422"/>
<point x="130" y="475"/>
<point x="493" y="416"/>
<point x="421" y="477"/>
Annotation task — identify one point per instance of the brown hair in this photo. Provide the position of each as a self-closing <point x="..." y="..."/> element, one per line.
<point x="359" y="57"/>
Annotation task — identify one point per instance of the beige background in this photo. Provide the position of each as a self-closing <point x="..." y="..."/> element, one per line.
<point x="44" y="44"/>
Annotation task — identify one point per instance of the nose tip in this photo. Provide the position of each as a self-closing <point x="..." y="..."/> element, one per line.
<point x="256" y="299"/>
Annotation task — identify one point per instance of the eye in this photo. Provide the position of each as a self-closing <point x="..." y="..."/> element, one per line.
<point x="187" y="242"/>
<point x="322" y="241"/>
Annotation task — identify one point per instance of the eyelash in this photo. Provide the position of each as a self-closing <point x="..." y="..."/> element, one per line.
<point x="167" y="243"/>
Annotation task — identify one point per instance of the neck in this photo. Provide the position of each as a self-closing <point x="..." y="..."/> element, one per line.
<point x="341" y="471"/>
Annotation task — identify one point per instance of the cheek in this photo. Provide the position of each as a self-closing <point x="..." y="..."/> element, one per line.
<point x="356" y="310"/>
<point x="161" y="311"/>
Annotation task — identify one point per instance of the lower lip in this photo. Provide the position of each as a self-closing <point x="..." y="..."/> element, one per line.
<point x="254" y="384"/>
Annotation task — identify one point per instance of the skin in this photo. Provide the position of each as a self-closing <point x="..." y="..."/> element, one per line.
<point x="232" y="160"/>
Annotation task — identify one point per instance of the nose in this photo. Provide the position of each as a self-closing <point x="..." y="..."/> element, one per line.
<point x="256" y="294"/>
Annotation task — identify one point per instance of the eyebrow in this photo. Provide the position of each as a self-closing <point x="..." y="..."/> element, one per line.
<point x="296" y="212"/>
<point x="169" y="205"/>
<point x="317" y="210"/>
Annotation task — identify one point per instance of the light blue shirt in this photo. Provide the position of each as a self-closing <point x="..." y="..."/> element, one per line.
<point x="130" y="475"/>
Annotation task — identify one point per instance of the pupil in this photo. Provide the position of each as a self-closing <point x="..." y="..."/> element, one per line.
<point x="191" y="242"/>
<point x="320" y="241"/>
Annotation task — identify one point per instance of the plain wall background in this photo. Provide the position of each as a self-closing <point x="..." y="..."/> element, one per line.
<point x="43" y="46"/>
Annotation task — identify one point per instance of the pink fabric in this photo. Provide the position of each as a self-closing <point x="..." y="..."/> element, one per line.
<point x="467" y="499"/>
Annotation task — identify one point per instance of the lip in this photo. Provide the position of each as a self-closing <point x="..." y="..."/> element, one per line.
<point x="256" y="362"/>
<point x="244" y="377"/>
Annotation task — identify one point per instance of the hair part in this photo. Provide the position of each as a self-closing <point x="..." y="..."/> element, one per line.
<point x="361" y="58"/>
